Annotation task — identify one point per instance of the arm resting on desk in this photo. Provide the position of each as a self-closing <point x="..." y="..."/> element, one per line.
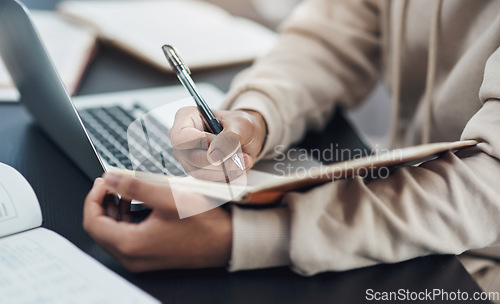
<point x="448" y="205"/>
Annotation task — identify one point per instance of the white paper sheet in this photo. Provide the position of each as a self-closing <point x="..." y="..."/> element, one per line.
<point x="39" y="266"/>
<point x="19" y="208"/>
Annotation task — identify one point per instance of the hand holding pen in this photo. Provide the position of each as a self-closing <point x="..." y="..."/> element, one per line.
<point x="189" y="135"/>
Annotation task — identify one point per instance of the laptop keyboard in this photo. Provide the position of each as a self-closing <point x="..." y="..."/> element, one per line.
<point x="108" y="128"/>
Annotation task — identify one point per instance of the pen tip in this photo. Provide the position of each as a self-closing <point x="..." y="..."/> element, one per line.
<point x="238" y="162"/>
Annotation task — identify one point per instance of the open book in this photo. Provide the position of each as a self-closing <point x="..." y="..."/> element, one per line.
<point x="259" y="188"/>
<point x="40" y="266"/>
<point x="70" y="47"/>
<point x="206" y="35"/>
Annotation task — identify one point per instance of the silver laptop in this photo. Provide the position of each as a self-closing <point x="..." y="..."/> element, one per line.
<point x="91" y="130"/>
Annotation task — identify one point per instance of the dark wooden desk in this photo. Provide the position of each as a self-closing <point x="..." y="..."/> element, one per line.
<point x="61" y="188"/>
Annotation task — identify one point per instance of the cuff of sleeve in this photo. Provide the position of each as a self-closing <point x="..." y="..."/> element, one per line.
<point x="260" y="238"/>
<point x="255" y="101"/>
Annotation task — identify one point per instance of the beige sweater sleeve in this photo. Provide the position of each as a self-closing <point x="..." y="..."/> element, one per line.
<point x="447" y="205"/>
<point x="336" y="43"/>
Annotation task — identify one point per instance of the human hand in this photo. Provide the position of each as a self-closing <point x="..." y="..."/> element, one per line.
<point x="161" y="241"/>
<point x="202" y="153"/>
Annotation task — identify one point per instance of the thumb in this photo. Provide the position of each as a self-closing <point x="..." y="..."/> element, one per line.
<point x="98" y="191"/>
<point x="222" y="147"/>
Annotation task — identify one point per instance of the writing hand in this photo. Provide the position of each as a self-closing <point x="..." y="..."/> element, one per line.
<point x="201" y="152"/>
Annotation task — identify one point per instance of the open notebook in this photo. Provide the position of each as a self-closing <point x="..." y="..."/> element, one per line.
<point x="40" y="266"/>
<point x="70" y="47"/>
<point x="259" y="190"/>
<point x="206" y="35"/>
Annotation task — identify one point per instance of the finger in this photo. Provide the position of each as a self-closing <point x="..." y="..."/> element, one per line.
<point x="195" y="157"/>
<point x="190" y="138"/>
<point x="210" y="172"/>
<point x="92" y="206"/>
<point x="110" y="206"/>
<point x="222" y="147"/>
<point x="188" y="117"/>
<point x="200" y="173"/>
<point x="124" y="208"/>
<point x="248" y="160"/>
<point x="213" y="175"/>
<point x="198" y="159"/>
<point x="152" y="194"/>
<point x="239" y="123"/>
<point x="188" y="130"/>
<point x="99" y="226"/>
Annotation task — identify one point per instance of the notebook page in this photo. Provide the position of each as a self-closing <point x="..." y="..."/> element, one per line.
<point x="19" y="208"/>
<point x="70" y="47"/>
<point x="39" y="266"/>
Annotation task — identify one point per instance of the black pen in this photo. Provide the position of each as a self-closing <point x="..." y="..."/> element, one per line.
<point x="182" y="71"/>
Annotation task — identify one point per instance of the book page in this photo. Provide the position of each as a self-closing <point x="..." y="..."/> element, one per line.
<point x="40" y="266"/>
<point x="70" y="47"/>
<point x="205" y="35"/>
<point x="19" y="208"/>
<point x="233" y="190"/>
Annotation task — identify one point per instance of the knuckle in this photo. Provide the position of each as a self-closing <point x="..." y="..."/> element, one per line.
<point x="184" y="111"/>
<point x="190" y="109"/>
<point x="181" y="111"/>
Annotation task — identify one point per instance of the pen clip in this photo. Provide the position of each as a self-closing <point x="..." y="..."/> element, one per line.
<point x="174" y="59"/>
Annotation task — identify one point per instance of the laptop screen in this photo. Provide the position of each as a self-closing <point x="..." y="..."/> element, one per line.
<point x="41" y="89"/>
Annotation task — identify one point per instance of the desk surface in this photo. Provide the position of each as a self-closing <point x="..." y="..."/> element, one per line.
<point x="61" y="188"/>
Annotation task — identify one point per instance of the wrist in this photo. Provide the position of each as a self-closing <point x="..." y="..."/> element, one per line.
<point x="220" y="242"/>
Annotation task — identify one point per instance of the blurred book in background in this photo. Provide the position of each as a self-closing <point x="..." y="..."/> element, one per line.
<point x="275" y="11"/>
<point x="69" y="45"/>
<point x="205" y="34"/>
